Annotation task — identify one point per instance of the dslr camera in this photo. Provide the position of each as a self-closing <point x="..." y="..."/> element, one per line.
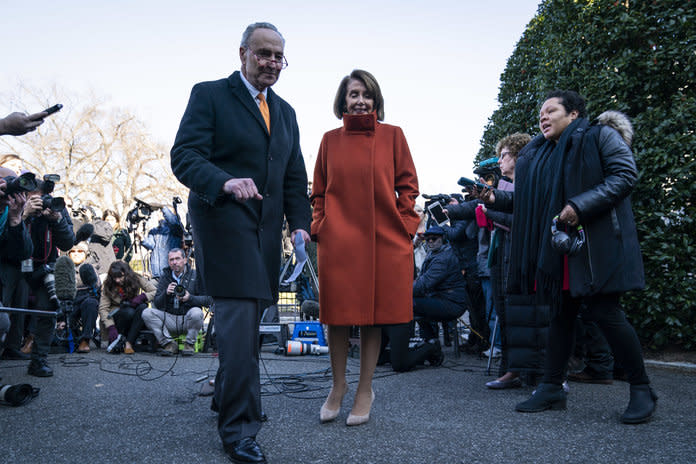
<point x="179" y="292"/>
<point x="24" y="183"/>
<point x="55" y="204"/>
<point x="45" y="274"/>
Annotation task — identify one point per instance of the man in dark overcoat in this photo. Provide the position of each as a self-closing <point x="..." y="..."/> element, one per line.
<point x="238" y="150"/>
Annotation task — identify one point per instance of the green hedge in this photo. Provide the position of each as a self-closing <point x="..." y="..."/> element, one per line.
<point x="638" y="57"/>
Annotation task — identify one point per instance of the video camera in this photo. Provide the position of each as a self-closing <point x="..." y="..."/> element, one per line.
<point x="24" y="183"/>
<point x="56" y="204"/>
<point x="141" y="212"/>
<point x="441" y="198"/>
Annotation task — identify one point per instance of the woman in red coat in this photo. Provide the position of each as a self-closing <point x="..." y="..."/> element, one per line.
<point x="364" y="192"/>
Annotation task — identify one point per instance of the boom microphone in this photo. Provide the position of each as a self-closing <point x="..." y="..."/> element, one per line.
<point x="88" y="276"/>
<point x="84" y="233"/>
<point x="65" y="279"/>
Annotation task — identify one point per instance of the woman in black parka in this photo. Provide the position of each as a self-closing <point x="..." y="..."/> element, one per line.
<point x="582" y="175"/>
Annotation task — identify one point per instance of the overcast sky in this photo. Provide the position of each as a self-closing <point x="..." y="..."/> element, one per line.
<point x="438" y="62"/>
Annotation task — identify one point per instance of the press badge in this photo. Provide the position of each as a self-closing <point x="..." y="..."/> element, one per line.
<point x="28" y="265"/>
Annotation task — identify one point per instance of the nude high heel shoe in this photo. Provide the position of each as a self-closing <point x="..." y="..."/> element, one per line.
<point x="359" y="420"/>
<point x="326" y="414"/>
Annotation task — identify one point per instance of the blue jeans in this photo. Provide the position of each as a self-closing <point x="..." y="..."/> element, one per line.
<point x="490" y="310"/>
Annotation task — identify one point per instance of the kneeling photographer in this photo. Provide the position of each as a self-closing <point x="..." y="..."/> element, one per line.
<point x="177" y="306"/>
<point x="50" y="229"/>
<point x="439" y="292"/>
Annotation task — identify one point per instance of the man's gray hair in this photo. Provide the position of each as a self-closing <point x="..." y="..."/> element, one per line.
<point x="252" y="27"/>
<point x="178" y="250"/>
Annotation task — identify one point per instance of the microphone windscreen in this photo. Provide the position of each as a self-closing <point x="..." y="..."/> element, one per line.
<point x="88" y="275"/>
<point x="84" y="233"/>
<point x="65" y="278"/>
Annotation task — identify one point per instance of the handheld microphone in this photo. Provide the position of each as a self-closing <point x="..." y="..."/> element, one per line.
<point x="65" y="279"/>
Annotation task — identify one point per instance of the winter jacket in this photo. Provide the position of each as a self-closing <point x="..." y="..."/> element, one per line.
<point x="599" y="175"/>
<point x="110" y="301"/>
<point x="165" y="302"/>
<point x="167" y="235"/>
<point x="101" y="253"/>
<point x="442" y="278"/>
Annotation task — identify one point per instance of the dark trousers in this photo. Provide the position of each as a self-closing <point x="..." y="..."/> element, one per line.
<point x="43" y="326"/>
<point x="593" y="349"/>
<point x="237" y="385"/>
<point x="477" y="311"/>
<point x="403" y="358"/>
<point x="84" y="317"/>
<point x="16" y="295"/>
<point x="606" y="312"/>
<point x="434" y="309"/>
<point x="129" y="321"/>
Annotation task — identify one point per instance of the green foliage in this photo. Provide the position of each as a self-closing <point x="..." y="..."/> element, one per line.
<point x="638" y="57"/>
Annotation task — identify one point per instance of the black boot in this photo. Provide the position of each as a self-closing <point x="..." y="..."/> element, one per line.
<point x="39" y="368"/>
<point x="436" y="356"/>
<point x="546" y="396"/>
<point x="641" y="405"/>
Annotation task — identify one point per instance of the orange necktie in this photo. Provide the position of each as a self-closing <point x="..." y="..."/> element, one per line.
<point x="263" y="106"/>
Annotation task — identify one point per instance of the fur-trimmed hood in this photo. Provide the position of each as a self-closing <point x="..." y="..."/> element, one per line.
<point x="620" y="122"/>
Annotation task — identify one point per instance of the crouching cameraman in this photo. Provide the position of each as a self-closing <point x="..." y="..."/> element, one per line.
<point x="179" y="306"/>
<point x="439" y="292"/>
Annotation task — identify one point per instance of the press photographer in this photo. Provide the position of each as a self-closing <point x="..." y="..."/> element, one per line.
<point x="166" y="236"/>
<point x="179" y="301"/>
<point x="15" y="245"/>
<point x="50" y="229"/>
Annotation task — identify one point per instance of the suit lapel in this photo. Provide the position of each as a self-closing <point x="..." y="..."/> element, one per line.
<point x="239" y="89"/>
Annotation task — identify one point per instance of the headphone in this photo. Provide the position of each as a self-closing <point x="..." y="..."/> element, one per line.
<point x="564" y="243"/>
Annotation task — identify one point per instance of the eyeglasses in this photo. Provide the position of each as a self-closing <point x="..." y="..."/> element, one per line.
<point x="264" y="57"/>
<point x="431" y="239"/>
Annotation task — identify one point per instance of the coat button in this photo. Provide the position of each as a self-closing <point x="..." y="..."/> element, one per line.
<point x="268" y="195"/>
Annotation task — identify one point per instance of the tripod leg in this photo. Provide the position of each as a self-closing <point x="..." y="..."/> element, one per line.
<point x="490" y="350"/>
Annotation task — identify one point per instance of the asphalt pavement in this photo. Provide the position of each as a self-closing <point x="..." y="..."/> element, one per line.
<point x="102" y="408"/>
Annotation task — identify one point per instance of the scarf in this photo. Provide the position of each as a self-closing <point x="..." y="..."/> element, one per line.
<point x="539" y="196"/>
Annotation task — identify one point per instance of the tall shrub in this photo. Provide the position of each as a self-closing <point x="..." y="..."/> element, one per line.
<point x="638" y="57"/>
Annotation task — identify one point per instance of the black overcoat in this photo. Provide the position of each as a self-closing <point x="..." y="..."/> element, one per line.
<point x="222" y="136"/>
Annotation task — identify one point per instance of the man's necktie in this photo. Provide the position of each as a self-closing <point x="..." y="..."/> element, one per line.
<point x="263" y="106"/>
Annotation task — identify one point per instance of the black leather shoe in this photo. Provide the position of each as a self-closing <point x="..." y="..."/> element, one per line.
<point x="502" y="385"/>
<point x="12" y="354"/>
<point x="244" y="451"/>
<point x="641" y="406"/>
<point x="39" y="369"/>
<point x="436" y="356"/>
<point x="546" y="396"/>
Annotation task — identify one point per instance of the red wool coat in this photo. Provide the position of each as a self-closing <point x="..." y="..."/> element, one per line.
<point x="364" y="191"/>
